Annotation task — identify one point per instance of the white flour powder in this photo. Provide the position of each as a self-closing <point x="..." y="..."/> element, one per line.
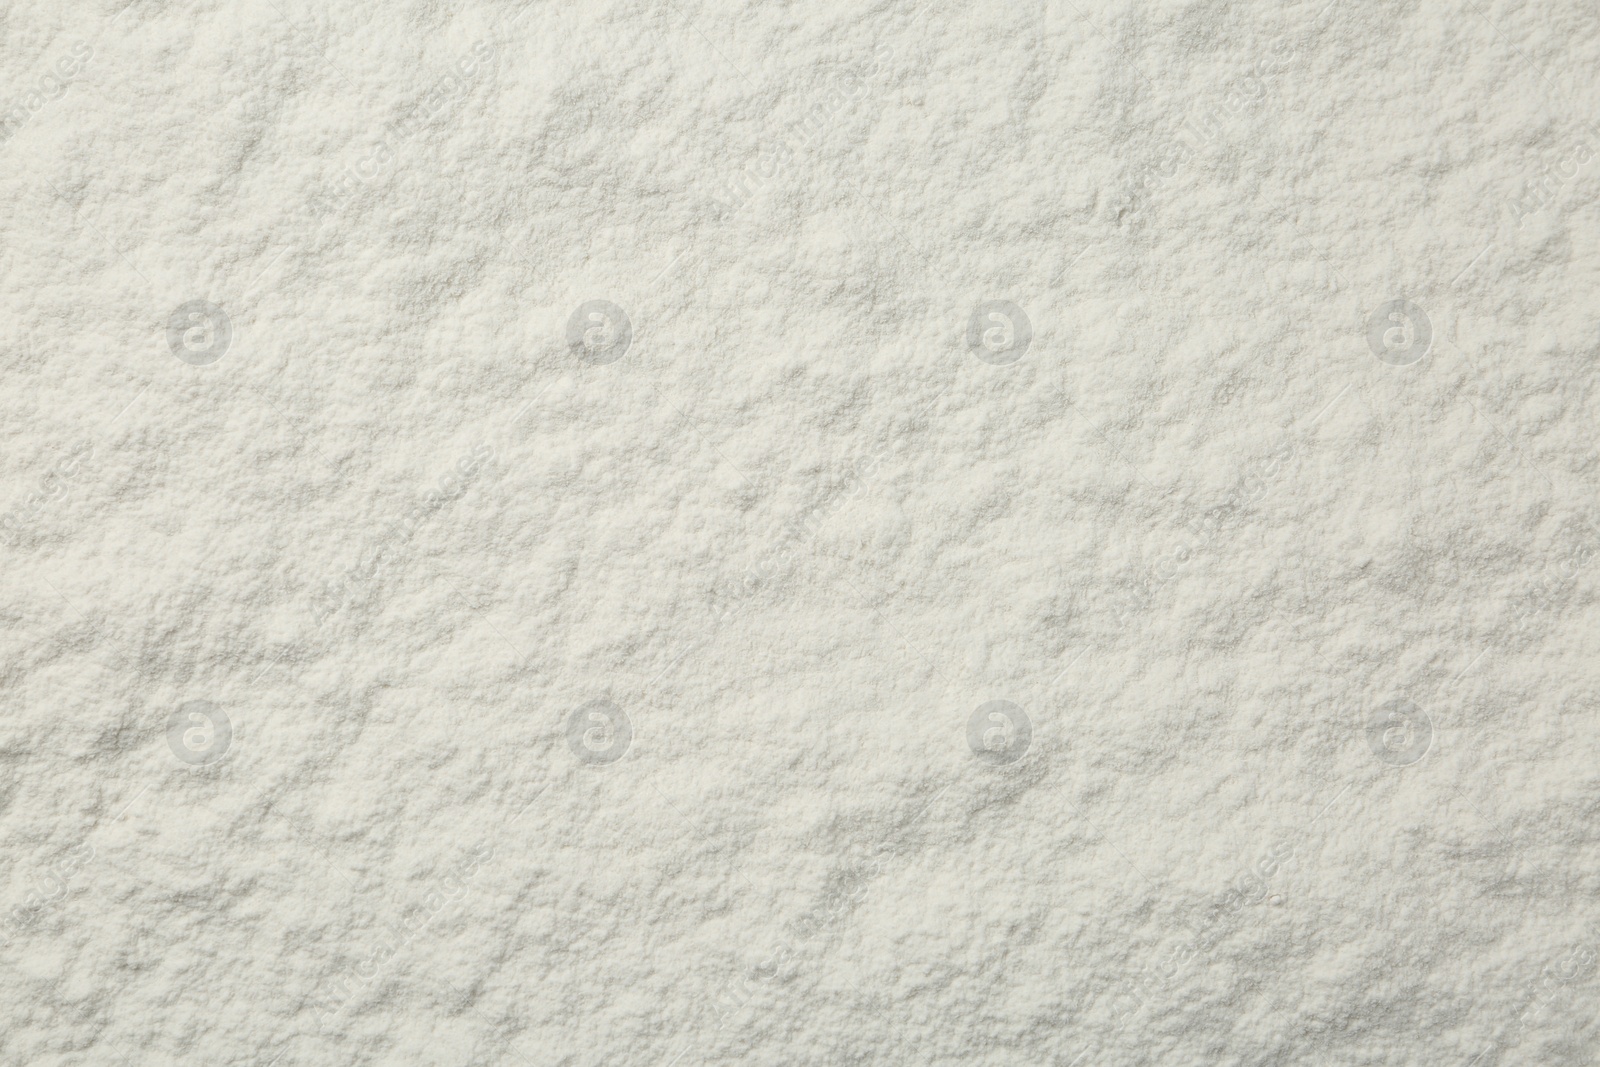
<point x="674" y="534"/>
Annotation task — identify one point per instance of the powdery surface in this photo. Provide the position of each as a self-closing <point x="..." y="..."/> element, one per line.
<point x="1304" y="638"/>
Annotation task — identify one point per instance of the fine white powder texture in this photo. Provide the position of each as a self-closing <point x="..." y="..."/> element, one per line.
<point x="727" y="533"/>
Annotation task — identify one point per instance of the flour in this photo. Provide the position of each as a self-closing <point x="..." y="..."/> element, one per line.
<point x="799" y="534"/>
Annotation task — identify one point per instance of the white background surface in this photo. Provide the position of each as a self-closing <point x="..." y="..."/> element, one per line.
<point x="798" y="533"/>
